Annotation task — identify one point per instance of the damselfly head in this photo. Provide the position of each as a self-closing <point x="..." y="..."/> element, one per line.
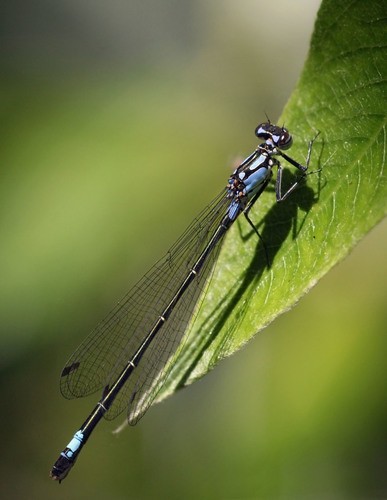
<point x="274" y="135"/>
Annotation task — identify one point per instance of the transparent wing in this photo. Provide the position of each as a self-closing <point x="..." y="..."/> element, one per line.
<point x="105" y="352"/>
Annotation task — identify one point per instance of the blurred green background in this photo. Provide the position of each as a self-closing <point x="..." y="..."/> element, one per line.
<point x="119" y="123"/>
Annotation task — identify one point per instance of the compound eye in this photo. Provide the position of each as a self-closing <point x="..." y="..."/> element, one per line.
<point x="263" y="131"/>
<point x="285" y="140"/>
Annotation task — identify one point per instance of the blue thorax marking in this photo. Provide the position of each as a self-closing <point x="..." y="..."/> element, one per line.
<point x="257" y="173"/>
<point x="247" y="180"/>
<point x="255" y="181"/>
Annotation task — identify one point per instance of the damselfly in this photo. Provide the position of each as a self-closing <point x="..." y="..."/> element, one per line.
<point x="126" y="355"/>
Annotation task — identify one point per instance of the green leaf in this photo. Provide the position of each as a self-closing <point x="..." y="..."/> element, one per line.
<point x="341" y="93"/>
